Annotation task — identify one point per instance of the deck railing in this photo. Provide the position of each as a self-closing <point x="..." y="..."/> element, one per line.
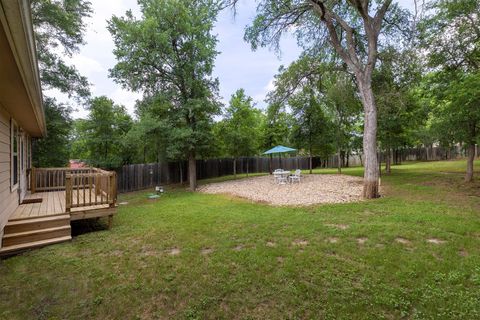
<point x="83" y="187"/>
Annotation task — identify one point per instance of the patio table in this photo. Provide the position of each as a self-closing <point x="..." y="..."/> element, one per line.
<point x="281" y="176"/>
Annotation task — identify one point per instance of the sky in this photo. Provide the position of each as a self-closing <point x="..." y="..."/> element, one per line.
<point x="236" y="66"/>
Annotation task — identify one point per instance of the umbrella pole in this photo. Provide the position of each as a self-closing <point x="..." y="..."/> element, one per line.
<point x="270" y="163"/>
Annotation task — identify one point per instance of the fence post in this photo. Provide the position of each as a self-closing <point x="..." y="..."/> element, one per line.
<point x="68" y="192"/>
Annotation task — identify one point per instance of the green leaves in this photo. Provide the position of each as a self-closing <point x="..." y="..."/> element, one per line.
<point x="59" y="30"/>
<point x="101" y="137"/>
<point x="168" y="54"/>
<point x="240" y="129"/>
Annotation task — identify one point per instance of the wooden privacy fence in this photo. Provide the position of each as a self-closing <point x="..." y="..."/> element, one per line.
<point x="83" y="187"/>
<point x="141" y="176"/>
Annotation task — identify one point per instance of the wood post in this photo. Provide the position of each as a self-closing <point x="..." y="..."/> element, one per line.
<point x="113" y="189"/>
<point x="68" y="192"/>
<point x="33" y="180"/>
<point x="110" y="221"/>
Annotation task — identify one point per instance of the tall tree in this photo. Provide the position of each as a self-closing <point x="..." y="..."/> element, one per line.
<point x="451" y="35"/>
<point x="349" y="29"/>
<point x="104" y="130"/>
<point x="344" y="109"/>
<point x="299" y="87"/>
<point x="59" y="31"/>
<point x="395" y="83"/>
<point x="170" y="52"/>
<point x="53" y="151"/>
<point x="240" y="127"/>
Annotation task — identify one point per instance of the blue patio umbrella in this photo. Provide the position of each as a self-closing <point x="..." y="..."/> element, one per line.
<point x="279" y="150"/>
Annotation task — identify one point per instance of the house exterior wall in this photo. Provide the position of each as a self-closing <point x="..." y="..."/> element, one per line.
<point x="9" y="196"/>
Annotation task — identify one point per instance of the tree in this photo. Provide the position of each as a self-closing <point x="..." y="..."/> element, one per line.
<point x="53" y="150"/>
<point x="104" y="130"/>
<point x="344" y="108"/>
<point x="59" y="28"/>
<point x="451" y="35"/>
<point x="169" y="54"/>
<point x="240" y="127"/>
<point x="311" y="125"/>
<point x="299" y="87"/>
<point x="456" y="115"/>
<point x="399" y="114"/>
<point x="352" y="29"/>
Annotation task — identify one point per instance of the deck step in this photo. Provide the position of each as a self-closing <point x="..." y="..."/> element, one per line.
<point x="36" y="217"/>
<point x="23" y="225"/>
<point x="36" y="244"/>
<point x="13" y="239"/>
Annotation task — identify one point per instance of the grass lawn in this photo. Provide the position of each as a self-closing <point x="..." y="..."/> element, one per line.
<point x="199" y="256"/>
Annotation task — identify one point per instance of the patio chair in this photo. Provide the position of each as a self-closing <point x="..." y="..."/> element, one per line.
<point x="296" y="176"/>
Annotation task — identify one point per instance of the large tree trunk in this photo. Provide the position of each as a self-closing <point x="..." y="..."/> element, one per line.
<point x="470" y="159"/>
<point x="192" y="171"/>
<point x="371" y="175"/>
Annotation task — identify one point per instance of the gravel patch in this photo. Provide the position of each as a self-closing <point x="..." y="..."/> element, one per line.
<point x="314" y="189"/>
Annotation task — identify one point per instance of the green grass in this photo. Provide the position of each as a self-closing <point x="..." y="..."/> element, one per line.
<point x="128" y="273"/>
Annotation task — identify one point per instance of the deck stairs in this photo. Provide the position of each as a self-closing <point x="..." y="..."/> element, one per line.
<point x="28" y="233"/>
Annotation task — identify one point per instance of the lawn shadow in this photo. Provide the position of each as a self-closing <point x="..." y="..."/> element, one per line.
<point x="88" y="225"/>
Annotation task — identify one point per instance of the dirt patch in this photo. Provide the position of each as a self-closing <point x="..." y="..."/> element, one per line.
<point x="239" y="247"/>
<point x="436" y="241"/>
<point x="362" y="240"/>
<point x="271" y="244"/>
<point x="463" y="253"/>
<point x="173" y="251"/>
<point x="206" y="251"/>
<point x="300" y="243"/>
<point x="338" y="226"/>
<point x="280" y="259"/>
<point x="313" y="189"/>
<point x="332" y="240"/>
<point x="403" y="241"/>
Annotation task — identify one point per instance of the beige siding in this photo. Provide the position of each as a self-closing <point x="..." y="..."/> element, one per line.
<point x="8" y="199"/>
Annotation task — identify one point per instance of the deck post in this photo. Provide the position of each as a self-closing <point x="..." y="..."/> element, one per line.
<point x="33" y="180"/>
<point x="68" y="192"/>
<point x="113" y="189"/>
<point x="110" y="221"/>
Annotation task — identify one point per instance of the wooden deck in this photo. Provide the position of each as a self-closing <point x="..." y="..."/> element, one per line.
<point x="57" y="197"/>
<point x="53" y="203"/>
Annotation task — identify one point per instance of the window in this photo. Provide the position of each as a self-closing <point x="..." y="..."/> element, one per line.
<point x="14" y="152"/>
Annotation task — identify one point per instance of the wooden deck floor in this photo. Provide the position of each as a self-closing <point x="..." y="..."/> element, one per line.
<point x="53" y="203"/>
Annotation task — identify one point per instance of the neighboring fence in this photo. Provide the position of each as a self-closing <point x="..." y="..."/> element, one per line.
<point x="141" y="176"/>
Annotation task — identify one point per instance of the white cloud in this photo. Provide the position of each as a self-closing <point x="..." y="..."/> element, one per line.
<point x="125" y="98"/>
<point x="260" y="97"/>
